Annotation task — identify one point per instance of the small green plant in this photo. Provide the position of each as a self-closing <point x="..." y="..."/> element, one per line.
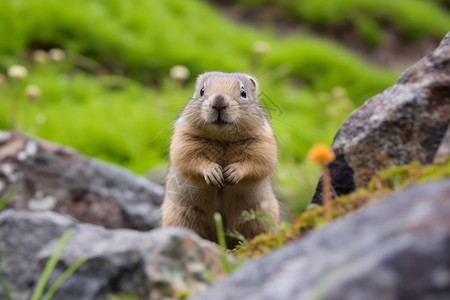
<point x="5" y="200"/>
<point x="4" y="283"/>
<point x="237" y="235"/>
<point x="50" y="266"/>
<point x="276" y="230"/>
<point x="250" y="215"/>
<point x="43" y="279"/>
<point x="222" y="243"/>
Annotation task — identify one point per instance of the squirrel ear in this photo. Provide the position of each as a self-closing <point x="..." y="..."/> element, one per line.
<point x="253" y="81"/>
<point x="254" y="85"/>
<point x="200" y="82"/>
<point x="200" y="78"/>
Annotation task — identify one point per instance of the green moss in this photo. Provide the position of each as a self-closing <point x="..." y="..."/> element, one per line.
<point x="398" y="177"/>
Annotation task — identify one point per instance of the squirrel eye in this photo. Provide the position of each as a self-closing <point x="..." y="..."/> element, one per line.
<point x="243" y="93"/>
<point x="202" y="91"/>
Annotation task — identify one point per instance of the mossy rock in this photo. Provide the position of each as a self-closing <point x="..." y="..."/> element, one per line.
<point x="385" y="182"/>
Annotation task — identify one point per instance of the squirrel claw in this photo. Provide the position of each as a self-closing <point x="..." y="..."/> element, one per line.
<point x="213" y="175"/>
<point x="232" y="175"/>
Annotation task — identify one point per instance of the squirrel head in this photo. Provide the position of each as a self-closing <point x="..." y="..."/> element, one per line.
<point x="224" y="100"/>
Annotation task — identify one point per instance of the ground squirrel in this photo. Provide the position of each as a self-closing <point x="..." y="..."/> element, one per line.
<point x="222" y="155"/>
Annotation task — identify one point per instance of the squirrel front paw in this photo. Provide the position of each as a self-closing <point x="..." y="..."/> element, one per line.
<point x="213" y="175"/>
<point x="232" y="174"/>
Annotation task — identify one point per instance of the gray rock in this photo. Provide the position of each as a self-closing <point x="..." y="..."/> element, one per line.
<point x="159" y="264"/>
<point x="397" y="248"/>
<point x="405" y="123"/>
<point x="52" y="177"/>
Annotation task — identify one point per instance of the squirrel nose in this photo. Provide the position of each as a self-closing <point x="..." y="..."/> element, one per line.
<point x="219" y="103"/>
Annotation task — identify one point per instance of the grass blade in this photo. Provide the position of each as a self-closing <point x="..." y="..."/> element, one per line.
<point x="222" y="243"/>
<point x="5" y="284"/>
<point x="50" y="266"/>
<point x="67" y="273"/>
<point x="8" y="197"/>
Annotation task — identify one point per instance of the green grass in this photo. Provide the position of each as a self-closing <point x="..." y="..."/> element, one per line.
<point x="50" y="266"/>
<point x="413" y="19"/>
<point x="127" y="35"/>
<point x="112" y="97"/>
<point x="144" y="39"/>
<point x="38" y="292"/>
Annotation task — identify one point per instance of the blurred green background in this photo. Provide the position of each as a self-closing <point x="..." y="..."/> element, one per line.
<point x="108" y="91"/>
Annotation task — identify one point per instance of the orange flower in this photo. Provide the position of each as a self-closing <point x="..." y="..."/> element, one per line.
<point x="321" y="153"/>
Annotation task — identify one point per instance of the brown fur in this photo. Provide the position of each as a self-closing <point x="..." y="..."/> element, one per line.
<point x="221" y="159"/>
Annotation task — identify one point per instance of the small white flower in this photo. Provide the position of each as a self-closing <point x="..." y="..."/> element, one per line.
<point x="40" y="56"/>
<point x="260" y="47"/>
<point x="179" y="73"/>
<point x="338" y="92"/>
<point x="57" y="54"/>
<point x="33" y="92"/>
<point x="17" y="72"/>
<point x="40" y="119"/>
<point x="345" y="103"/>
